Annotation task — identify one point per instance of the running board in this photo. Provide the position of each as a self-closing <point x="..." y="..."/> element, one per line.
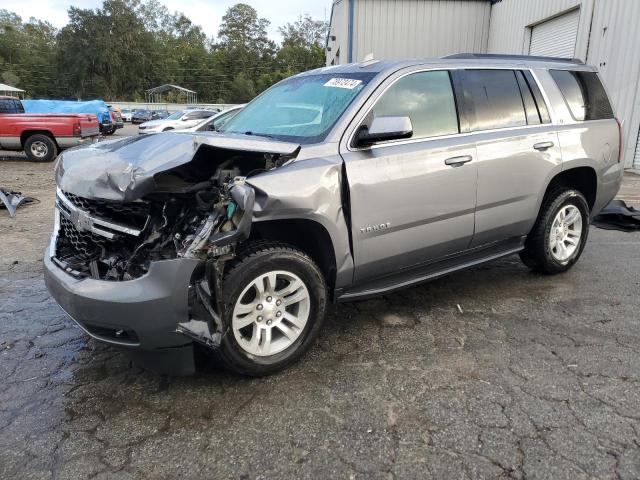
<point x="424" y="273"/>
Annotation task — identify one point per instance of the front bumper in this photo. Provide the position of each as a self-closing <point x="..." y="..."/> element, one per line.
<point x="137" y="314"/>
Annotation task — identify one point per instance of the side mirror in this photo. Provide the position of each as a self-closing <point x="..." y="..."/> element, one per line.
<point x="383" y="129"/>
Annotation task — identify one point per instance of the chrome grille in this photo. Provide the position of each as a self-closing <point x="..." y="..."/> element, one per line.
<point x="133" y="213"/>
<point x="72" y="242"/>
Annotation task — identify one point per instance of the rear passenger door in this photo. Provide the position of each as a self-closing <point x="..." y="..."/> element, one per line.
<point x="517" y="150"/>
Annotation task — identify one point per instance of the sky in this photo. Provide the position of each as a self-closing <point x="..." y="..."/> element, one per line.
<point x="206" y="13"/>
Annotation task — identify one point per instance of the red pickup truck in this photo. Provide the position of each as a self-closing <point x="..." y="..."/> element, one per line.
<point x="42" y="135"/>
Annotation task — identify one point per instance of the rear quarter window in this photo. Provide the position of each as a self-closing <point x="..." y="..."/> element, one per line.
<point x="584" y="94"/>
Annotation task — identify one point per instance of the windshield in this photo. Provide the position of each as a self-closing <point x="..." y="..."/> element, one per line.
<point x="175" y="115"/>
<point x="301" y="109"/>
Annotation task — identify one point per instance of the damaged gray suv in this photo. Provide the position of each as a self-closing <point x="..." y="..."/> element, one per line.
<point x="334" y="185"/>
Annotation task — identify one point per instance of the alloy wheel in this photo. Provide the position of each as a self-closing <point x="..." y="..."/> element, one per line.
<point x="271" y="313"/>
<point x="566" y="232"/>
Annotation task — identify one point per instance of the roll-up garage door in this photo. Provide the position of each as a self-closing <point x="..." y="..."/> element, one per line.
<point x="556" y="37"/>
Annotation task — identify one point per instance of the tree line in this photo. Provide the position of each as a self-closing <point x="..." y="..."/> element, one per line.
<point x="120" y="50"/>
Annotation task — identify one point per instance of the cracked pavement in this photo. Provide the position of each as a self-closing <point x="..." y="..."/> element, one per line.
<point x="494" y="372"/>
<point x="532" y="377"/>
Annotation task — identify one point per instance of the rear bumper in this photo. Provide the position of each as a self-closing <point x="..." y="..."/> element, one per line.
<point x="140" y="314"/>
<point x="68" y="142"/>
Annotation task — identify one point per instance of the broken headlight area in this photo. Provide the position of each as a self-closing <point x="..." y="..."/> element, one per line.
<point x="184" y="217"/>
<point x="122" y="210"/>
<point x="110" y="241"/>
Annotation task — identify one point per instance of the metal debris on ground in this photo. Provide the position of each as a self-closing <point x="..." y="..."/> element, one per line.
<point x="12" y="200"/>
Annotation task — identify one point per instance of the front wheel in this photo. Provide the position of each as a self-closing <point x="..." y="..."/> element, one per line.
<point x="275" y="300"/>
<point x="560" y="232"/>
<point x="40" y="148"/>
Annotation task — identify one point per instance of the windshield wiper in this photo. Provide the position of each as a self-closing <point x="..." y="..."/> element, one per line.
<point x="258" y="134"/>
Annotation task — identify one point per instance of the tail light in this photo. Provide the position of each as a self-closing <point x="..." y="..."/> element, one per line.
<point x="619" y="140"/>
<point x="76" y="129"/>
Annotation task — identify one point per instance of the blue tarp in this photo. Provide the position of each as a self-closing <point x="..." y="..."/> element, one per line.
<point x="97" y="107"/>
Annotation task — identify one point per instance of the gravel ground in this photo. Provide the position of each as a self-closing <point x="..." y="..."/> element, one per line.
<point x="490" y="373"/>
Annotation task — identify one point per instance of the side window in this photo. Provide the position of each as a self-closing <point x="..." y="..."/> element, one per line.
<point x="221" y="121"/>
<point x="530" y="109"/>
<point x="8" y="105"/>
<point x="537" y="97"/>
<point x="426" y="98"/>
<point x="584" y="94"/>
<point x="495" y="97"/>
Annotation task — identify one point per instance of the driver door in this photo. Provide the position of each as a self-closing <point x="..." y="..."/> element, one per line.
<point x="412" y="201"/>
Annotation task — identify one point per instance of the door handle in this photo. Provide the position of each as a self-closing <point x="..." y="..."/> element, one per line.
<point x="458" y="161"/>
<point x="543" y="146"/>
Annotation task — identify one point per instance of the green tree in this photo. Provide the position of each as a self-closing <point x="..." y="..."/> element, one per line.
<point x="27" y="53"/>
<point x="304" y="32"/>
<point x="125" y="47"/>
<point x="108" y="52"/>
<point x="302" y="44"/>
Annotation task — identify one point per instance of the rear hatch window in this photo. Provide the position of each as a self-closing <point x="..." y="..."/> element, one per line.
<point x="584" y="94"/>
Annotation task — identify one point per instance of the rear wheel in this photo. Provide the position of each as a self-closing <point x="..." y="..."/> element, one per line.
<point x="560" y="233"/>
<point x="40" y="148"/>
<point x="275" y="301"/>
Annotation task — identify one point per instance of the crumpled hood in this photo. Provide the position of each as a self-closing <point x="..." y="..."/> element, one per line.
<point x="123" y="170"/>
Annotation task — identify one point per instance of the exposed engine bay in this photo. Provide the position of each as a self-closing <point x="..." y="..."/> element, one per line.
<point x="197" y="209"/>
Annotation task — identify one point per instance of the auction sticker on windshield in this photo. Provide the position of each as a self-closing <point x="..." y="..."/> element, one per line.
<point x="349" y="83"/>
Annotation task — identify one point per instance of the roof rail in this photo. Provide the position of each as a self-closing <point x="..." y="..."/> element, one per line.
<point x="496" y="56"/>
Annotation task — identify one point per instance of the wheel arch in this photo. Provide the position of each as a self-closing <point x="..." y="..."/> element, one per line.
<point x="582" y="178"/>
<point x="28" y="133"/>
<point x="309" y="236"/>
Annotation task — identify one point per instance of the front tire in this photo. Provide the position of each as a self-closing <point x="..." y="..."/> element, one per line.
<point x="560" y="233"/>
<point x="275" y="300"/>
<point x="40" y="148"/>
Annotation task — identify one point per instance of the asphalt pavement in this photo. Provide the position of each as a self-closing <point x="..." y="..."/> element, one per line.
<point x="494" y="372"/>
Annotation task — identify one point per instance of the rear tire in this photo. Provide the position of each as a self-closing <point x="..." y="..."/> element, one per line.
<point x="269" y="330"/>
<point x="560" y="233"/>
<point x="40" y="148"/>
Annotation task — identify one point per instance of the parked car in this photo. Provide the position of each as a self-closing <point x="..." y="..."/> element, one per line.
<point x="117" y="117"/>
<point x="41" y="135"/>
<point x="215" y="123"/>
<point x="177" y="120"/>
<point x="126" y="114"/>
<point x="159" y="114"/>
<point x="414" y="169"/>
<point x="141" y="116"/>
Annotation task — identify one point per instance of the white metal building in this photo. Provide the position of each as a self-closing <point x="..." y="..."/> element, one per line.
<point x="604" y="33"/>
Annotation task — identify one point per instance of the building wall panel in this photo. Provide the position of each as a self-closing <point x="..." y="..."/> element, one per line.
<point x="419" y="28"/>
<point x="339" y="28"/>
<point x="511" y="22"/>
<point x="614" y="48"/>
